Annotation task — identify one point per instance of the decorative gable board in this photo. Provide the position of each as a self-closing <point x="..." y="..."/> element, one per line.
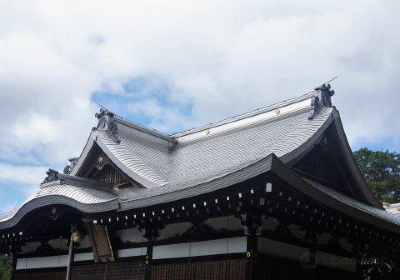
<point x="99" y="167"/>
<point x="110" y="175"/>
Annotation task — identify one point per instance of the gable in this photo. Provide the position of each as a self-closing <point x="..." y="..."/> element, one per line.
<point x="99" y="167"/>
<point x="324" y="166"/>
<point x="134" y="158"/>
<point x="326" y="163"/>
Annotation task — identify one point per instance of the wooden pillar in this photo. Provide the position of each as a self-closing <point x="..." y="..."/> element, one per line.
<point x="151" y="234"/>
<point x="149" y="258"/>
<point x="70" y="257"/>
<point x="251" y="255"/>
<point x="252" y="226"/>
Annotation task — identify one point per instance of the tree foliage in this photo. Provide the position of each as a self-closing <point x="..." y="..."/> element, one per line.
<point x="5" y="267"/>
<point x="382" y="172"/>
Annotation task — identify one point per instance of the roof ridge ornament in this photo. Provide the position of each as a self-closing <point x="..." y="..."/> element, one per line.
<point x="52" y="175"/>
<point x="67" y="169"/>
<point x="322" y="98"/>
<point x="107" y="123"/>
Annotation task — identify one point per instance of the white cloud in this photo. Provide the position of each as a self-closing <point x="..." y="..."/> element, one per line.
<point x="25" y="179"/>
<point x="221" y="57"/>
<point x="161" y="117"/>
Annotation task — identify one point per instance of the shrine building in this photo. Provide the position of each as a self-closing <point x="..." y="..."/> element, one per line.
<point x="271" y="194"/>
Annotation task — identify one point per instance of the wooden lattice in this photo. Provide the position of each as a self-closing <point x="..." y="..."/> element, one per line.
<point x="109" y="271"/>
<point x="40" y="275"/>
<point x="213" y="270"/>
<point x="111" y="176"/>
<point x="134" y="270"/>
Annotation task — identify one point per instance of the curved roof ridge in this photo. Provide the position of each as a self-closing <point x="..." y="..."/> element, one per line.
<point x="136" y="128"/>
<point x="142" y="128"/>
<point x="245" y="115"/>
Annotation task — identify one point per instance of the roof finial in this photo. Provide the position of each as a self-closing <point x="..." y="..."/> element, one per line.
<point x="107" y="123"/>
<point x="69" y="167"/>
<point x="322" y="98"/>
<point x="52" y="175"/>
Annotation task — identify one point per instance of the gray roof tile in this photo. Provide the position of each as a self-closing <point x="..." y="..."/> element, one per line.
<point x="373" y="211"/>
<point x="164" y="168"/>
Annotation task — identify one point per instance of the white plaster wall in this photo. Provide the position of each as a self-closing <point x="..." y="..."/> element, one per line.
<point x="203" y="248"/>
<point x="29" y="247"/>
<point x="50" y="262"/>
<point x="229" y="223"/>
<point x="297" y="232"/>
<point x="133" y="252"/>
<point x="85" y="243"/>
<point x="333" y="261"/>
<point x="59" y="244"/>
<point x="136" y="236"/>
<point x="324" y="238"/>
<point x="43" y="262"/>
<point x="280" y="249"/>
<point x="296" y="253"/>
<point x="270" y="223"/>
<point x="172" y="230"/>
<point x="83" y="257"/>
<point x="218" y="223"/>
<point x="132" y="235"/>
<point x="62" y="261"/>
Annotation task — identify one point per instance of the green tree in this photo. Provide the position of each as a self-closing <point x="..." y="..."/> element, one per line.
<point x="382" y="172"/>
<point x="5" y="267"/>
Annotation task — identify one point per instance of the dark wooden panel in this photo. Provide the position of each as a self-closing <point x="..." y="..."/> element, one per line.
<point x="111" y="176"/>
<point x="213" y="270"/>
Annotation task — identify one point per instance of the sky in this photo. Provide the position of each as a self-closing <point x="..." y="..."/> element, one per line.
<point x="174" y="65"/>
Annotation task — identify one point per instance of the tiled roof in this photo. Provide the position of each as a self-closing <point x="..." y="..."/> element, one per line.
<point x="193" y="161"/>
<point x="355" y="204"/>
<point x="81" y="196"/>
